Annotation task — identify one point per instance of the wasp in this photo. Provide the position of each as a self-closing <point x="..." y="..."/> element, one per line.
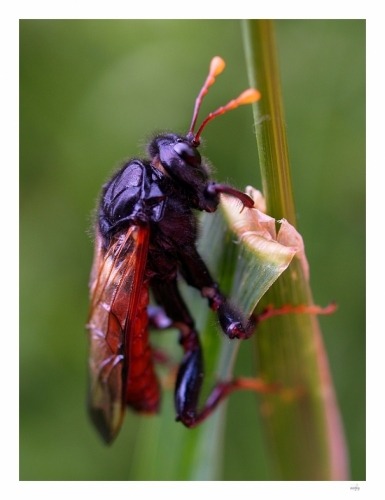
<point x="146" y="235"/>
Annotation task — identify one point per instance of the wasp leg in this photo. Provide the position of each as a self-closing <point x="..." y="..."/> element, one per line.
<point x="222" y="390"/>
<point x="190" y="374"/>
<point x="214" y="189"/>
<point x="270" y="311"/>
<point x="157" y="318"/>
<point x="233" y="322"/>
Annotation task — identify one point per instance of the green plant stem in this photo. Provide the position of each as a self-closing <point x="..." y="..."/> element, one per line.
<point x="303" y="431"/>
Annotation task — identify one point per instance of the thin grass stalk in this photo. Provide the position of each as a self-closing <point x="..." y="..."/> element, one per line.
<point x="302" y="426"/>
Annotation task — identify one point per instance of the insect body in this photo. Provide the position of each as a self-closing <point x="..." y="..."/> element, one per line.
<point x="145" y="237"/>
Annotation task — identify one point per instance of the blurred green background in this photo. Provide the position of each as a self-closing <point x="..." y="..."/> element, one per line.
<point x="91" y="94"/>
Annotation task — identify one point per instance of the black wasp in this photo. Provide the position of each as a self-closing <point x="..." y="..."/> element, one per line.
<point x="145" y="237"/>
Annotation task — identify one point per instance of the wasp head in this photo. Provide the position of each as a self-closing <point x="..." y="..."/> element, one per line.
<point x="178" y="157"/>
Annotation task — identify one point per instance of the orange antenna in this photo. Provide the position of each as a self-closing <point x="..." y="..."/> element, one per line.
<point x="217" y="65"/>
<point x="247" y="97"/>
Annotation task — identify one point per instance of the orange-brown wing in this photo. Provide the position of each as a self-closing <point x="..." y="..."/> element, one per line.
<point x="116" y="280"/>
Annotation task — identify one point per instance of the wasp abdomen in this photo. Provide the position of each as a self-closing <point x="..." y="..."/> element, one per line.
<point x="142" y="393"/>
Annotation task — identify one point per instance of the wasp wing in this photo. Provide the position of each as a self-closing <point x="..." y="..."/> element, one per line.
<point x="116" y="280"/>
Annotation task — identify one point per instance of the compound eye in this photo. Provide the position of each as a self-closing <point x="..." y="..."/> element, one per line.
<point x="189" y="154"/>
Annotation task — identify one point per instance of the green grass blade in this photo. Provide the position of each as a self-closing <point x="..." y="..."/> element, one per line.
<point x="302" y="425"/>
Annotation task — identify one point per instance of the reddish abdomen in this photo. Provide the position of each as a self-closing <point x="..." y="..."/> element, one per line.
<point x="142" y="393"/>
